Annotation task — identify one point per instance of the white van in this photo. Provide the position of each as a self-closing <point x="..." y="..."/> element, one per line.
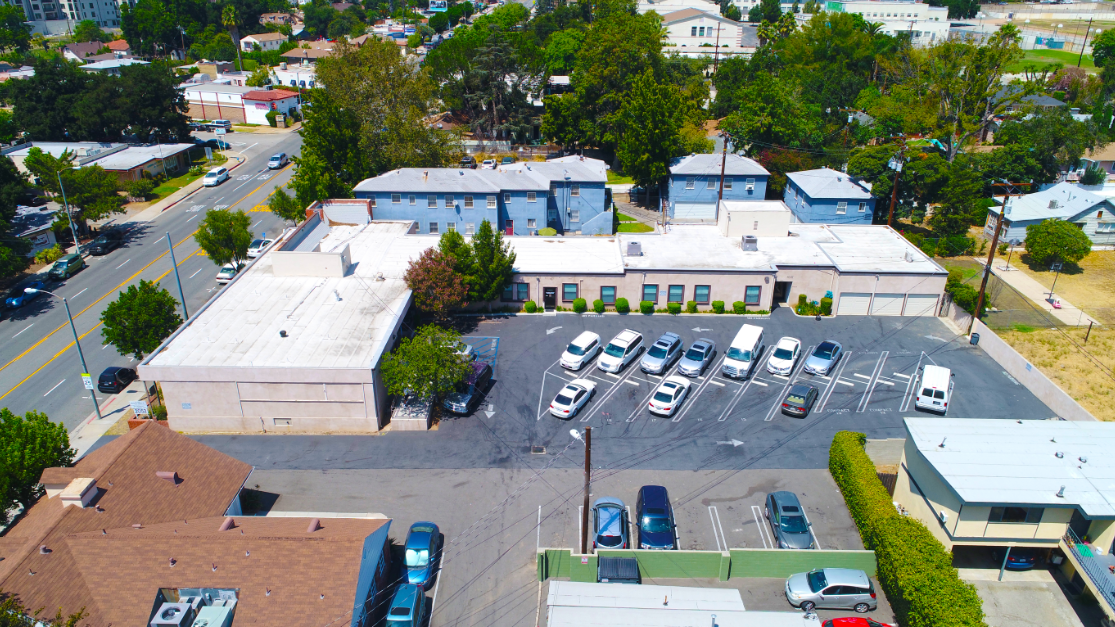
<point x="934" y="389"/>
<point x="743" y="352"/>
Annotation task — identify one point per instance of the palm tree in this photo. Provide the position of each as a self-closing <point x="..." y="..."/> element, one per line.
<point x="229" y="18"/>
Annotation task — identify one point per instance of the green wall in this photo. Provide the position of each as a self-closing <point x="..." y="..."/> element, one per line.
<point x="781" y="563"/>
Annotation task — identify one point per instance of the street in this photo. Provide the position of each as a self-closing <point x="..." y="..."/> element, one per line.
<point x="39" y="366"/>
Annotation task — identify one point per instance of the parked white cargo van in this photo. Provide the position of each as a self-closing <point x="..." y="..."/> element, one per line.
<point x="934" y="389"/>
<point x="743" y="352"/>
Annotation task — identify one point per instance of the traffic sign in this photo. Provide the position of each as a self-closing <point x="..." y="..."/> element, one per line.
<point x="87" y="380"/>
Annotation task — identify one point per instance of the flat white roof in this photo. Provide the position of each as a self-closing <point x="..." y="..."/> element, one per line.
<point x="557" y="255"/>
<point x="1012" y="462"/>
<point x="136" y="156"/>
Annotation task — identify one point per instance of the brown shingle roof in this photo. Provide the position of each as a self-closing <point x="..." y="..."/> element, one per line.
<point x="84" y="49"/>
<point x="303" y="53"/>
<point x="267" y="37"/>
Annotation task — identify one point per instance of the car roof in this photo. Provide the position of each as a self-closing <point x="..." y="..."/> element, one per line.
<point x="405" y="595"/>
<point x="111" y="370"/>
<point x="608" y="500"/>
<point x="573" y="387"/>
<point x="626" y="337"/>
<point x="277" y="155"/>
<point x="584" y="338"/>
<point x="800" y="389"/>
<point x="69" y="257"/>
<point x="846" y="576"/>
<point x="789" y="341"/>
<point x="701" y="344"/>
<point x="668" y="338"/>
<point x="654" y="496"/>
<point x="669" y="384"/>
<point x="826" y="344"/>
<point x="784" y="497"/>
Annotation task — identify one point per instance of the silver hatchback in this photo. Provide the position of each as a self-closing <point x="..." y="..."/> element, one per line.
<point x="665" y="351"/>
<point x="832" y="588"/>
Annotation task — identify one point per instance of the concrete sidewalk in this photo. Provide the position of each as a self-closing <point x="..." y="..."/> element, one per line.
<point x="1039" y="294"/>
<point x="156" y="209"/>
<point x="85" y="435"/>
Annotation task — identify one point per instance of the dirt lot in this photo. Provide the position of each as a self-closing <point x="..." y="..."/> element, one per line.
<point x="1077" y="374"/>
<point x="1090" y="285"/>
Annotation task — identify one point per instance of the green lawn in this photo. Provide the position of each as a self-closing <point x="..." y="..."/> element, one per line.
<point x="623" y="217"/>
<point x="616" y="179"/>
<point x="635" y="227"/>
<point x="172" y="185"/>
<point x="1041" y="58"/>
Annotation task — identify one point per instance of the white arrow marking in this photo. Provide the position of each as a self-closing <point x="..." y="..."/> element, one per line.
<point x="734" y="442"/>
<point x="934" y="337"/>
<point x="551" y="331"/>
<point x="699" y="329"/>
<point x="489" y="413"/>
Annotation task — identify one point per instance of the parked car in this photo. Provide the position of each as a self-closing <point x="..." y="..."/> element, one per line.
<point x="489" y="164"/>
<point x="669" y="395"/>
<point x="227" y="271"/>
<point x="655" y="518"/>
<point x="507" y="161"/>
<point x="30" y="198"/>
<point x="468" y="162"/>
<point x="854" y="621"/>
<point x="823" y="358"/>
<point x="258" y="247"/>
<point x="471" y="390"/>
<point x="421" y="553"/>
<point x="831" y="588"/>
<point x="215" y="177"/>
<point x="225" y="124"/>
<point x="572" y="398"/>
<point x="408" y="607"/>
<point x="662" y="354"/>
<point x="609" y="524"/>
<point x="697" y="358"/>
<point x="788" y="524"/>
<point x="580" y="351"/>
<point x="277" y="161"/>
<point x="784" y="357"/>
<point x="217" y="144"/>
<point x="799" y="400"/>
<point x="114" y="379"/>
<point x="107" y="242"/>
<point x="1020" y="558"/>
<point x="66" y="267"/>
<point x="194" y="126"/>
<point x="19" y="297"/>
<point x="621" y="351"/>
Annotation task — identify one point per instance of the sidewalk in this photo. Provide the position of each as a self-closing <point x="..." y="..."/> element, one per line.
<point x="1038" y="293"/>
<point x="156" y="209"/>
<point x="85" y="435"/>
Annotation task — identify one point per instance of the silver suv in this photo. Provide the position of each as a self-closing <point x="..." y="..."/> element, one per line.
<point x="833" y="588"/>
<point x="665" y="351"/>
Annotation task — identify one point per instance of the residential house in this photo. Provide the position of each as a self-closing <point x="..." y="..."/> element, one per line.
<point x="340" y="7"/>
<point x="162" y="512"/>
<point x="80" y="50"/>
<point x="306" y="56"/>
<point x="276" y="18"/>
<point x="127" y="161"/>
<point x="1039" y="484"/>
<point x="1064" y="201"/>
<point x="706" y="32"/>
<point x="265" y="41"/>
<point x="112" y="66"/>
<point x="33" y="225"/>
<point x="1103" y="158"/>
<point x="694" y="186"/>
<point x="1033" y="101"/>
<point x="258" y="103"/>
<point x="213" y="68"/>
<point x="119" y="45"/>
<point x="828" y="196"/>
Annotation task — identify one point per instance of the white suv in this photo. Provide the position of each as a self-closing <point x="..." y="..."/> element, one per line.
<point x="622" y="350"/>
<point x="581" y="351"/>
<point x="215" y="177"/>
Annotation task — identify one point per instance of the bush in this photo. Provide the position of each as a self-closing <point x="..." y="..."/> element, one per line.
<point x="579" y="305"/>
<point x="271" y="117"/>
<point x="964" y="296"/>
<point x="914" y="569"/>
<point x="1093" y="176"/>
<point x="739" y="307"/>
<point x="158" y="412"/>
<point x="141" y="189"/>
<point x="294" y="115"/>
<point x="718" y="306"/>
<point x="646" y="307"/>
<point x="955" y="245"/>
<point x="530" y="306"/>
<point x="547" y="232"/>
<point x="622" y="306"/>
<point x="956" y="275"/>
<point x="673" y="308"/>
<point x="929" y="247"/>
<point x="691" y="307"/>
<point x="197" y="170"/>
<point x="49" y="255"/>
<point x="598" y="306"/>
<point x="826" y="306"/>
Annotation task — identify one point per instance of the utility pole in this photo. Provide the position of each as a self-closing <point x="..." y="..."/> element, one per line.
<point x="894" y="191"/>
<point x="174" y="265"/>
<point x="723" y="163"/>
<point x="990" y="258"/>
<point x="588" y="472"/>
<point x="716" y="54"/>
<point x="1086" y="31"/>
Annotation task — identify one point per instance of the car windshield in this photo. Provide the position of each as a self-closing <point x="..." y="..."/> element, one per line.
<point x="657" y="351"/>
<point x="695" y="354"/>
<point x="227" y="271"/>
<point x="613" y="350"/>
<point x="563" y="400"/>
<point x="825" y="351"/>
<point x="656" y="524"/>
<point x="794" y="524"/>
<point x="783" y="353"/>
<point x="573" y="349"/>
<point x="417" y="558"/>
<point x="211" y="175"/>
<point x="256" y="243"/>
<point x="739" y="354"/>
<point x="101" y="239"/>
<point x="817" y="581"/>
<point x="795" y="398"/>
<point x="16" y="292"/>
<point x="664" y="396"/>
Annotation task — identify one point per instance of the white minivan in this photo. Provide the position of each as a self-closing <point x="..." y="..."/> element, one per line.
<point x="934" y="389"/>
<point x="215" y="177"/>
<point x="743" y="352"/>
<point x="580" y="351"/>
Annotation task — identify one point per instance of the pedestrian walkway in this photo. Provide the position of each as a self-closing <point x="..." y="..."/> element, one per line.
<point x="86" y="434"/>
<point x="1068" y="313"/>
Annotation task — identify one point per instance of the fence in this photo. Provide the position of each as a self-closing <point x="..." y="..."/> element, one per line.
<point x="721" y="565"/>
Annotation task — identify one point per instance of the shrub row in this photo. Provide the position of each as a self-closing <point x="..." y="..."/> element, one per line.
<point x="807" y="308"/>
<point x="580" y="305"/>
<point x="914" y="568"/>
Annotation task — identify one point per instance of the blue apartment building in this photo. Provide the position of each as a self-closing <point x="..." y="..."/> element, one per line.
<point x="566" y="194"/>
<point x="828" y="196"/>
<point x="694" y="184"/>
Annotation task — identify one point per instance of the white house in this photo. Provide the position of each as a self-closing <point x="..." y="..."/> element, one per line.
<point x="265" y="41"/>
<point x="697" y="32"/>
<point x="1064" y="201"/>
<point x="258" y="103"/>
<point x="294" y="75"/>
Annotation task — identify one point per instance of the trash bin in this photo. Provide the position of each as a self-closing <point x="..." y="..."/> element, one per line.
<point x="975" y="339"/>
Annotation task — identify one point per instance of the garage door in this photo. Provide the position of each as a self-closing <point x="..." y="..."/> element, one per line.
<point x="694" y="212"/>
<point x="853" y="304"/>
<point x="920" y="305"/>
<point x="887" y="304"/>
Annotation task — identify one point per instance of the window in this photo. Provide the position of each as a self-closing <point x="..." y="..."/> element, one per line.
<point x="431" y="202"/>
<point x="676" y="295"/>
<point x="532" y="223"/>
<point x="491" y="202"/>
<point x="727" y="184"/>
<point x="568" y="292"/>
<point x="650" y="292"/>
<point x="450" y="227"/>
<point x="396" y="199"/>
<point x="433" y="228"/>
<point x="862" y="207"/>
<point x="516" y="292"/>
<point x="608" y="295"/>
<point x="372" y="201"/>
<point x="413" y="199"/>
<point x="1015" y="514"/>
<point x="468" y="202"/>
<point x="449" y="202"/>
<point x="756" y="226"/>
<point x="841" y="208"/>
<point x="701" y="31"/>
<point x="532" y="196"/>
<point x="711" y="184"/>
<point x="506" y="197"/>
<point x="693" y="31"/>
<point x="470" y="228"/>
<point x="690" y="182"/>
<point x="1105" y="227"/>
<point x="751" y="296"/>
<point x="574" y="190"/>
<point x="574" y="216"/>
<point x="701" y="294"/>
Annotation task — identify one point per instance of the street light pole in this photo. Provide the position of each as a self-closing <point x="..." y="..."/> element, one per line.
<point x="178" y="279"/>
<point x="1083" y="45"/>
<point x="77" y="342"/>
<point x="69" y="216"/>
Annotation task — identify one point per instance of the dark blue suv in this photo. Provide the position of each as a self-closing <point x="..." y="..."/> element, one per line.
<point x="656" y="519"/>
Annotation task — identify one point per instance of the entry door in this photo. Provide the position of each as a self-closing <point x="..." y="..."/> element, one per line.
<point x="549" y="297"/>
<point x="509" y="227"/>
<point x="781" y="291"/>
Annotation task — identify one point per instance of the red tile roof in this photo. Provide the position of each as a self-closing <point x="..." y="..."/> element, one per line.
<point x="264" y="95"/>
<point x="120" y="45"/>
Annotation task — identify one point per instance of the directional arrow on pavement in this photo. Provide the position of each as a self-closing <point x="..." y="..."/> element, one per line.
<point x="491" y="410"/>
<point x="699" y="329"/>
<point x="733" y="442"/>
<point x="550" y="331"/>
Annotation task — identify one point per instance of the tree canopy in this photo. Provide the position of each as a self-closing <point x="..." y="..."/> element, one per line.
<point x="224" y="235"/>
<point x="140" y="319"/>
<point x="1057" y="240"/>
<point x="426" y="365"/>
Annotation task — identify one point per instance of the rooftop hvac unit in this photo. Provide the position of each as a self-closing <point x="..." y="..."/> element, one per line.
<point x="174" y="615"/>
<point x="634" y="249"/>
<point x="750" y="242"/>
<point x="213" y="616"/>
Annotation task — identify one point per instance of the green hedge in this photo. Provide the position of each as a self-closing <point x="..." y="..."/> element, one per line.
<point x="673" y="308"/>
<point x="739" y="307"/>
<point x="622" y="306"/>
<point x="647" y="307"/>
<point x="915" y="570"/>
<point x="579" y="305"/>
<point x="530" y="306"/>
<point x="598" y="306"/>
<point x="691" y="306"/>
<point x="718" y="306"/>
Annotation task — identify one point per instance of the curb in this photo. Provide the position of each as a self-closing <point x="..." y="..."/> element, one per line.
<point x="591" y="314"/>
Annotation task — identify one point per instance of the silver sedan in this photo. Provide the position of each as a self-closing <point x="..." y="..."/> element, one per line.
<point x="824" y="357"/>
<point x="697" y="358"/>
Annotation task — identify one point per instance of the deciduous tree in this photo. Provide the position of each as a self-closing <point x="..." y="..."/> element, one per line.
<point x="286" y="206"/>
<point x="426" y="365"/>
<point x="30" y="444"/>
<point x="652" y="117"/>
<point x="140" y="319"/>
<point x="87" y="30"/>
<point x="437" y="288"/>
<point x="1054" y="240"/>
<point x="224" y="235"/>
<point x="15" y="34"/>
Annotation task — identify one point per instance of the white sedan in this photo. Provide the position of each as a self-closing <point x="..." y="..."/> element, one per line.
<point x="669" y="396"/>
<point x="258" y="247"/>
<point x="572" y="398"/>
<point x="784" y="357"/>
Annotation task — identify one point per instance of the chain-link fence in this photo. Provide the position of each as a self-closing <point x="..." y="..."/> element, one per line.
<point x="1009" y="309"/>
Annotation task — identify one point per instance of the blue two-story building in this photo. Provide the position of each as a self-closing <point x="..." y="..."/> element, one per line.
<point x="566" y="194"/>
<point x="694" y="185"/>
<point x="828" y="196"/>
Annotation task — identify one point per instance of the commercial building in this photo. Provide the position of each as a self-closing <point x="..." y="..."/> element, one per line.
<point x="128" y="161"/>
<point x="33" y="224"/>
<point x="294" y="75"/>
<point x="694" y="186"/>
<point x="697" y="32"/>
<point x="214" y="101"/>
<point x="924" y="24"/>
<point x="1064" y="201"/>
<point x="826" y="196"/>
<point x="258" y="103"/>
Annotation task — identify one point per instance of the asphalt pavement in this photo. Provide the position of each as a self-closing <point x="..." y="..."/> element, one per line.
<point x="39" y="366"/>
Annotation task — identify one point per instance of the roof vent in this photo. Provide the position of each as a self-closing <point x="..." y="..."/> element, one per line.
<point x="1059" y="455"/>
<point x="909" y="257"/>
<point x="282" y="333"/>
<point x="750" y="242"/>
<point x="229" y="523"/>
<point x="315" y="524"/>
<point x="634" y="249"/>
<point x="168" y="476"/>
<point x="1061" y="493"/>
<point x="43" y="550"/>
<point x="1052" y="204"/>
<point x="942" y="444"/>
<point x="1083" y="460"/>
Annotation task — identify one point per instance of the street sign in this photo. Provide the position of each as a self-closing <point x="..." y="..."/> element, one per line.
<point x="208" y="153"/>
<point x="87" y="380"/>
<point x="140" y="408"/>
<point x="584" y="560"/>
<point x="220" y="130"/>
<point x="1055" y="266"/>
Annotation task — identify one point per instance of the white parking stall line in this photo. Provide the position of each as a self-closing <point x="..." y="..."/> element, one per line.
<point x="639" y="408"/>
<point x="635" y="384"/>
<point x="813" y="532"/>
<point x="760" y="525"/>
<point x="591" y="376"/>
<point x="778" y="376"/>
<point x="542" y="388"/>
<point x="717" y="383"/>
<point x="912" y="385"/>
<point x="600" y="401"/>
<point x="614" y="376"/>
<point x="835" y="379"/>
<point x="437" y="586"/>
<point x="580" y="515"/>
<point x="249" y="148"/>
<point x="55" y="387"/>
<point x="848" y="383"/>
<point x="715" y="534"/>
<point x="538" y="530"/>
<point x="759" y="383"/>
<point x="794" y="374"/>
<point x="821" y="376"/>
<point x="863" y="376"/>
<point x="871" y="385"/>
<point x="709" y="378"/>
<point x="905" y="376"/>
<point x="723" y="538"/>
<point x="743" y="390"/>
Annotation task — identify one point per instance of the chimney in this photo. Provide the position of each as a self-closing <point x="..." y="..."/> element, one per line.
<point x="314" y="525"/>
<point x="229" y="523"/>
<point x="79" y="492"/>
<point x="167" y="475"/>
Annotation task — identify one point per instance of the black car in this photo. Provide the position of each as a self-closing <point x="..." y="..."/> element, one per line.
<point x="655" y="518"/>
<point x="468" y="162"/>
<point x="31" y="198"/>
<point x="471" y="390"/>
<point x="107" y="242"/>
<point x="799" y="400"/>
<point x="115" y="379"/>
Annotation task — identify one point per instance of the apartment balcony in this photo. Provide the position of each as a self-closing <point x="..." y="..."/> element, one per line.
<point x="1096" y="569"/>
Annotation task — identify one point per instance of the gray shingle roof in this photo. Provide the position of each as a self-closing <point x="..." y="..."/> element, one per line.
<point x="449" y="180"/>
<point x="709" y="165"/>
<point x="826" y="183"/>
<point x="1071" y="200"/>
<point x="580" y="169"/>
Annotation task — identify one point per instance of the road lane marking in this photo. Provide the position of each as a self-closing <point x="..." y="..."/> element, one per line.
<point x="257" y="224"/>
<point x="123" y="264"/>
<point x="191" y="219"/>
<point x="25" y="328"/>
<point x="195" y="273"/>
<point x="78" y="294"/>
<point x="55" y="387"/>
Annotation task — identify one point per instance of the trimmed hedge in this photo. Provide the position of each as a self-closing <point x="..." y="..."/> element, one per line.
<point x="739" y="307"/>
<point x="718" y="306"/>
<point x="530" y="306"/>
<point x="915" y="570"/>
<point x="646" y="307"/>
<point x="691" y="306"/>
<point x="622" y="306"/>
<point x="673" y="308"/>
<point x="579" y="305"/>
<point x="598" y="306"/>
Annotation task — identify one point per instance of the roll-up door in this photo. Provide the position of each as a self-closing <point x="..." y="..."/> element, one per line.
<point x="693" y="212"/>
<point x="887" y="304"/>
<point x="853" y="303"/>
<point x="920" y="305"/>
